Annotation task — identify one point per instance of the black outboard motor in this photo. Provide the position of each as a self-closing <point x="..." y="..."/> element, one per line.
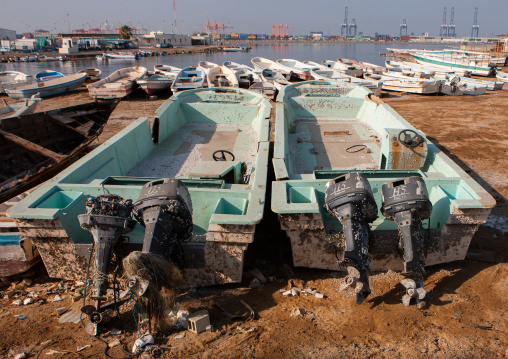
<point x="107" y="217"/>
<point x="406" y="202"/>
<point x="164" y="207"/>
<point x="349" y="199"/>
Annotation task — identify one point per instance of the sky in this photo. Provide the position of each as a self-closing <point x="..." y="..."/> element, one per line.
<point x="383" y="17"/>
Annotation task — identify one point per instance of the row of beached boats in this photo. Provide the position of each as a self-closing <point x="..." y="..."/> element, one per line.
<point x="337" y="148"/>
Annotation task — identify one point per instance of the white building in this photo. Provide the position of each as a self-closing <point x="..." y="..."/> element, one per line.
<point x="26" y="44"/>
<point x="68" y="46"/>
<point x="158" y="37"/>
<point x="7" y="34"/>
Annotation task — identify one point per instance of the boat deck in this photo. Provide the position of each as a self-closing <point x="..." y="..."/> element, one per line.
<point x="195" y="143"/>
<point x="322" y="144"/>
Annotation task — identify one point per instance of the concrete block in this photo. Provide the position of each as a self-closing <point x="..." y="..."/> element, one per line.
<point x="197" y="322"/>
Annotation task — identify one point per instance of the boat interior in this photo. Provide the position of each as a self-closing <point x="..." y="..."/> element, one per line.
<point x="214" y="140"/>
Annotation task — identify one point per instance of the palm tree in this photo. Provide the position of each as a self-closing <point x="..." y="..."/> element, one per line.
<point x="125" y="32"/>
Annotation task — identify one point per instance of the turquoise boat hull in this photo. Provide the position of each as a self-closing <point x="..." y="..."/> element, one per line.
<point x="227" y="197"/>
<point x="317" y="126"/>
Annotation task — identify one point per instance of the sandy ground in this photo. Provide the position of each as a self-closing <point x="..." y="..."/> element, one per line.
<point x="467" y="312"/>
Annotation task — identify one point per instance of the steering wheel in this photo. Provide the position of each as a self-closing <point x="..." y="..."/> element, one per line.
<point x="222" y="156"/>
<point x="410" y="138"/>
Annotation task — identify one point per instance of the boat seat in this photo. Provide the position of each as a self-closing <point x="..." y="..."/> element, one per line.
<point x="229" y="171"/>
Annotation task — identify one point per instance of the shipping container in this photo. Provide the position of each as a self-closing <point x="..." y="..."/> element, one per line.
<point x="404" y="37"/>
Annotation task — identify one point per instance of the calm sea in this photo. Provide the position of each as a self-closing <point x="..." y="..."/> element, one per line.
<point x="369" y="52"/>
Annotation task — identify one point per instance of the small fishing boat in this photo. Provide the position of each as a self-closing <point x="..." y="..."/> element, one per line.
<point x="156" y="83"/>
<point x="189" y="130"/>
<point x="44" y="58"/>
<point x="260" y="64"/>
<point x="92" y="74"/>
<point x="117" y="85"/>
<point x="189" y="78"/>
<point x="206" y="66"/>
<point x="500" y="75"/>
<point x="47" y="75"/>
<point x="236" y="66"/>
<point x="221" y="76"/>
<point x="472" y="66"/>
<point x="344" y="68"/>
<point x="490" y="85"/>
<point x="236" y="49"/>
<point x="406" y="84"/>
<point x="266" y="88"/>
<point x="52" y="87"/>
<point x="167" y="70"/>
<point x="352" y="64"/>
<point x="246" y="78"/>
<point x="121" y="56"/>
<point x="372" y="68"/>
<point x="23" y="107"/>
<point x="452" y="86"/>
<point x="344" y="163"/>
<point x="13" y="79"/>
<point x="274" y="77"/>
<point x="412" y="66"/>
<point x="17" y="255"/>
<point x="300" y="70"/>
<point x="327" y="74"/>
<point x="35" y="147"/>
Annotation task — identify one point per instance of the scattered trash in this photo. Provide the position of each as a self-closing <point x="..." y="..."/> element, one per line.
<point x="209" y="328"/>
<point x="300" y="312"/>
<point x="294" y="282"/>
<point x="197" y="322"/>
<point x="57" y="298"/>
<point x="255" y="283"/>
<point x="80" y="349"/>
<point x="142" y="341"/>
<point x="116" y="342"/>
<point x="287" y="293"/>
<point x="20" y="356"/>
<point x="258" y="275"/>
<point x="53" y="352"/>
<point x="61" y="310"/>
<point x="295" y="291"/>
<point x="247" y="329"/>
<point x="247" y="315"/>
<point x="17" y="302"/>
<point x="319" y="295"/>
<point x="181" y="319"/>
<point x="28" y="282"/>
<point x="20" y="316"/>
<point x="47" y="342"/>
<point x="28" y="301"/>
<point x="115" y="331"/>
<point x="179" y="336"/>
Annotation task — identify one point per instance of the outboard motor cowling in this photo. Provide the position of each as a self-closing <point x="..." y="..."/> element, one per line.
<point x="406" y="202"/>
<point x="164" y="207"/>
<point x="349" y="199"/>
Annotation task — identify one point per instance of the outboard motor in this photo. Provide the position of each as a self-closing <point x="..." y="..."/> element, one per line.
<point x="406" y="202"/>
<point x="107" y="217"/>
<point x="164" y="207"/>
<point x="349" y="199"/>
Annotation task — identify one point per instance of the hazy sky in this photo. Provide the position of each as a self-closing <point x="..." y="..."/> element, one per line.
<point x="254" y="16"/>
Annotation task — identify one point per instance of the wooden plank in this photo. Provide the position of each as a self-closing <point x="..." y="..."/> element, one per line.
<point x="65" y="121"/>
<point x="31" y="146"/>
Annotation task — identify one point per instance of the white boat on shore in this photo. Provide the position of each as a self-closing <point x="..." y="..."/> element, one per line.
<point x="55" y="86"/>
<point x="222" y="76"/>
<point x="452" y="86"/>
<point x="327" y="74"/>
<point x="13" y="79"/>
<point x="247" y="78"/>
<point x="502" y="76"/>
<point x="206" y="66"/>
<point x="301" y="71"/>
<point x="474" y="67"/>
<point x="189" y="78"/>
<point x="236" y="66"/>
<point x="117" y="85"/>
<point x="261" y="63"/>
<point x="92" y="74"/>
<point x="341" y="67"/>
<point x="274" y="77"/>
<point x="121" y="55"/>
<point x="167" y="70"/>
<point x="156" y="83"/>
<point x="23" y="107"/>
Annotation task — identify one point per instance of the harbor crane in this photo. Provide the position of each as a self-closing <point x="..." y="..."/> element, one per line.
<point x="280" y="31"/>
<point x="451" y="27"/>
<point x="475" y="31"/>
<point x="444" y="28"/>
<point x="213" y="27"/>
<point x="352" y="27"/>
<point x="403" y="28"/>
<point x="344" y="28"/>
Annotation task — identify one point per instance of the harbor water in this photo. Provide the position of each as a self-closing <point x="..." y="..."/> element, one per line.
<point x="313" y="51"/>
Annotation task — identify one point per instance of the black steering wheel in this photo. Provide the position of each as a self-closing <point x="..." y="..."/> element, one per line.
<point x="222" y="155"/>
<point x="410" y="138"/>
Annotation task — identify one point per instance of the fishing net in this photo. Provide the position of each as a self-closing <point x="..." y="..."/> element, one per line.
<point x="164" y="281"/>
